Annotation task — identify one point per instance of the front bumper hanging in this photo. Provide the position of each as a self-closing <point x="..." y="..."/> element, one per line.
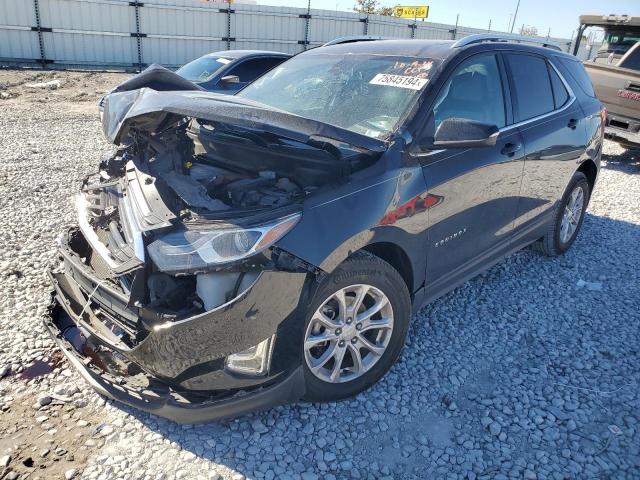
<point x="177" y="371"/>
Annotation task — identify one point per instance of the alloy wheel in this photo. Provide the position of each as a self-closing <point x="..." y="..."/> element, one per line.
<point x="572" y="214"/>
<point x="348" y="333"/>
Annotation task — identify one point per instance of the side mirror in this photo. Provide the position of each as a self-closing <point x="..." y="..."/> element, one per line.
<point x="229" y="79"/>
<point x="465" y="133"/>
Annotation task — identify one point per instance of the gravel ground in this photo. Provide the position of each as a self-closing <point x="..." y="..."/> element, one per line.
<point x="530" y="370"/>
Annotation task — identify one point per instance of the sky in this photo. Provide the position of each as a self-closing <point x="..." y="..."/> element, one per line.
<point x="561" y="16"/>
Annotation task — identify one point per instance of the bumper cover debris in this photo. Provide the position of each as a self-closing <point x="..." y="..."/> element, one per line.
<point x="177" y="368"/>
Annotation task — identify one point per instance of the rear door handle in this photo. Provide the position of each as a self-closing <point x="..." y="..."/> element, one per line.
<point x="573" y="123"/>
<point x="510" y="148"/>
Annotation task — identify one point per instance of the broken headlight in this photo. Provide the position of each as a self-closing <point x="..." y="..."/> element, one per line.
<point x="193" y="250"/>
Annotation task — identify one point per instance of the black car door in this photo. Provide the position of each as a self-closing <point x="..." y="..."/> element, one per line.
<point x="478" y="187"/>
<point x="553" y="129"/>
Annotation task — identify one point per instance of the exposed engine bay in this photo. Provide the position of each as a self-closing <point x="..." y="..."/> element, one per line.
<point x="182" y="218"/>
<point x="186" y="177"/>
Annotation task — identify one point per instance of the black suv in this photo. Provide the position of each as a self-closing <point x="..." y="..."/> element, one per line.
<point x="243" y="251"/>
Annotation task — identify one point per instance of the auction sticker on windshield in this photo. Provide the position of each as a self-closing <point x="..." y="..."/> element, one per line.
<point x="401" y="81"/>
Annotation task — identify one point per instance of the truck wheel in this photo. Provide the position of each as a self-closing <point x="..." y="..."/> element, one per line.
<point x="567" y="218"/>
<point x="355" y="329"/>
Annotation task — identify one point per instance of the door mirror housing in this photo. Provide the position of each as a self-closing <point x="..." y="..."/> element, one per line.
<point x="465" y="133"/>
<point x="229" y="79"/>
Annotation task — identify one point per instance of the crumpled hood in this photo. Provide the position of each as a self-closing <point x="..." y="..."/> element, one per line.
<point x="158" y="78"/>
<point x="146" y="109"/>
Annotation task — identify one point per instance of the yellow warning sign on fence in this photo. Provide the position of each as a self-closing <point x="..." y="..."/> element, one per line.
<point x="411" y="12"/>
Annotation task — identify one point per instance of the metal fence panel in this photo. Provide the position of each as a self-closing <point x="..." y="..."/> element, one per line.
<point x="19" y="44"/>
<point x="110" y="16"/>
<point x="88" y="49"/>
<point x="163" y="19"/>
<point x="275" y="28"/>
<point x="433" y="31"/>
<point x="17" y="13"/>
<point x="172" y="32"/>
<point x="173" y="51"/>
<point x="16" y="38"/>
<point x="326" y="25"/>
<point x="389" y="26"/>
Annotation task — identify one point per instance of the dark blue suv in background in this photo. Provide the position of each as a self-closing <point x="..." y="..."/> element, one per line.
<point x="242" y="251"/>
<point x="229" y="71"/>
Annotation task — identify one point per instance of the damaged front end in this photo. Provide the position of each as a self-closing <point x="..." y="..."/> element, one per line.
<point x="172" y="295"/>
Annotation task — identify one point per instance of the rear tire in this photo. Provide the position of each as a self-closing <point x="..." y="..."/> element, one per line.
<point x="567" y="218"/>
<point x="363" y="345"/>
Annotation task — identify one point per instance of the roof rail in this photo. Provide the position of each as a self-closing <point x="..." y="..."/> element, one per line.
<point x="353" y="39"/>
<point x="502" y="37"/>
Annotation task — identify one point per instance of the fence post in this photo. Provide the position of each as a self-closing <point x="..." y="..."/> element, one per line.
<point x="229" y="25"/>
<point x="454" y="32"/>
<point x="43" y="58"/>
<point x="365" y="20"/>
<point x="306" y="25"/>
<point x="136" y="7"/>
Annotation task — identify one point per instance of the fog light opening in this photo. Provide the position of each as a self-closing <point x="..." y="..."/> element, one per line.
<point x="252" y="361"/>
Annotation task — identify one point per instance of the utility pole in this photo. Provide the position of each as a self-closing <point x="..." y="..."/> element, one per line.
<point x="515" y="15"/>
<point x="489" y="29"/>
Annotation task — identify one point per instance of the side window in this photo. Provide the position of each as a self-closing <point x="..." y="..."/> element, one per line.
<point x="474" y="91"/>
<point x="560" y="94"/>
<point x="249" y="70"/>
<point x="579" y="74"/>
<point x="533" y="92"/>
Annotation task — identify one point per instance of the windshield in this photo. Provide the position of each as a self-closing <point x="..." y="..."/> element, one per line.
<point x="203" y="68"/>
<point x="367" y="94"/>
<point x="620" y="40"/>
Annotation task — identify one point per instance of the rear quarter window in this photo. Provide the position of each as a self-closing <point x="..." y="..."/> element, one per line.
<point x="579" y="75"/>
<point x="560" y="94"/>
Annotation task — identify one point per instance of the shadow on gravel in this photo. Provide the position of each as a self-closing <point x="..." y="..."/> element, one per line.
<point x="627" y="161"/>
<point x="523" y="370"/>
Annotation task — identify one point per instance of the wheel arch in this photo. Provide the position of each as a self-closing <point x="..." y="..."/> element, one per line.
<point x="590" y="170"/>
<point x="395" y="256"/>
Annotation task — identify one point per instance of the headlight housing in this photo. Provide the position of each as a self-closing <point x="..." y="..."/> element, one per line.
<point x="195" y="250"/>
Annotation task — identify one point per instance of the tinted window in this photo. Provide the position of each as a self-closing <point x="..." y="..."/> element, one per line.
<point x="578" y="73"/>
<point x="532" y="86"/>
<point x="249" y="70"/>
<point x="632" y="60"/>
<point x="474" y="91"/>
<point x="560" y="94"/>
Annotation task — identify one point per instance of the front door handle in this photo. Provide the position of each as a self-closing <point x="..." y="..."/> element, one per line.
<point x="573" y="123"/>
<point x="510" y="148"/>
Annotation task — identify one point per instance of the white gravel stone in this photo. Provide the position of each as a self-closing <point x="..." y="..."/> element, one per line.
<point x="71" y="473"/>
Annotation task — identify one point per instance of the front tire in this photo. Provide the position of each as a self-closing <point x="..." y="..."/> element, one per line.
<point x="567" y="218"/>
<point x="355" y="328"/>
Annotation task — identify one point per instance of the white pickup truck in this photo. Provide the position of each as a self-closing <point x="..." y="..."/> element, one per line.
<point x="615" y="73"/>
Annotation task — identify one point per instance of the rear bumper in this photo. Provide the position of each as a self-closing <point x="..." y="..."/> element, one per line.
<point x="177" y="370"/>
<point x="623" y="127"/>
